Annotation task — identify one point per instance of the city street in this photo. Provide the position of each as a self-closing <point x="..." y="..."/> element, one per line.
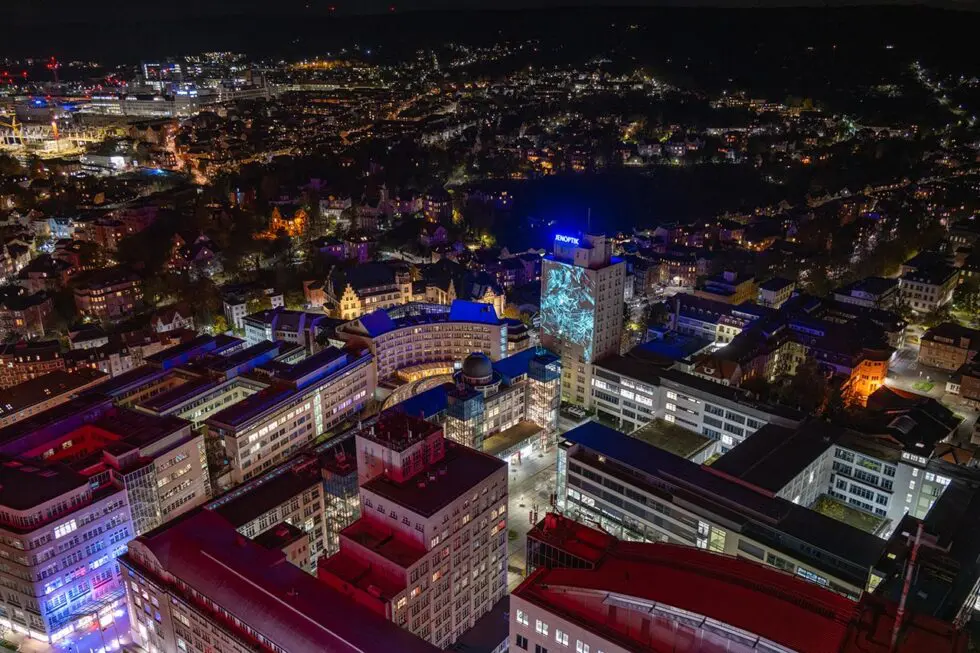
<point x="905" y="373"/>
<point x="531" y="483"/>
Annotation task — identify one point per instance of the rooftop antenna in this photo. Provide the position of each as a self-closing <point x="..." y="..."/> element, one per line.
<point x="588" y="220"/>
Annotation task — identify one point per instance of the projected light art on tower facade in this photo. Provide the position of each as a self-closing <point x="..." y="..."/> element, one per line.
<point x="568" y="306"/>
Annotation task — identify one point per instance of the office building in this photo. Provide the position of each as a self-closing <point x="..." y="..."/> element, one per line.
<point x="581" y="308"/>
<point x="729" y="288"/>
<point x="418" y="341"/>
<point x="62" y="532"/>
<point x="595" y="593"/>
<point x="775" y="292"/>
<point x="508" y="410"/>
<point x="871" y="292"/>
<point x="290" y="494"/>
<point x="302" y="402"/>
<point x="198" y="586"/>
<point x="886" y="467"/>
<point x="514" y="412"/>
<point x="630" y="392"/>
<point x="159" y="461"/>
<point x="636" y="491"/>
<point x="279" y="324"/>
<point x="429" y="551"/>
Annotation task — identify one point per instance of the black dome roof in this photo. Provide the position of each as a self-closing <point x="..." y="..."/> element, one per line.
<point x="477" y="366"/>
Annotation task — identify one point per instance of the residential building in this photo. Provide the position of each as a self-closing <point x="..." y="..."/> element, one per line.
<point x="199" y="586"/>
<point x="594" y="593"/>
<point x="303" y="401"/>
<point x="871" y="292"/>
<point x="354" y="291"/>
<point x="23" y="361"/>
<point x="948" y="346"/>
<point x="775" y="292"/>
<point x="62" y="532"/>
<point x="429" y="551"/>
<point x="928" y="289"/>
<point x="110" y="294"/>
<point x="416" y="341"/>
<point x="637" y="491"/>
<point x="729" y="288"/>
<point x="296" y="327"/>
<point x="39" y="394"/>
<point x="581" y="308"/>
<point x="172" y="318"/>
<point x="23" y="314"/>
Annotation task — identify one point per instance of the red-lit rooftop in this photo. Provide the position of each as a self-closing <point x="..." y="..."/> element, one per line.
<point x="397" y="430"/>
<point x="663" y="581"/>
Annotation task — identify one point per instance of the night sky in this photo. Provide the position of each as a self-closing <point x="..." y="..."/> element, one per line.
<point x="54" y="11"/>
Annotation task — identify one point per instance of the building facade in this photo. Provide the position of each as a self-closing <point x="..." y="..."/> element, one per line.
<point x="61" y="534"/>
<point x="429" y="551"/>
<point x="582" y="287"/>
<point x="303" y="401"/>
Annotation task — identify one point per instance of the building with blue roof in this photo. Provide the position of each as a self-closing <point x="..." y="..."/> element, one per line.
<point x="418" y="340"/>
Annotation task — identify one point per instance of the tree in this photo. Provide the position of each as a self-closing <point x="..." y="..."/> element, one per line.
<point x="808" y="389"/>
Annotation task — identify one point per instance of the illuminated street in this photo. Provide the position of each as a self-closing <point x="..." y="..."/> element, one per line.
<point x="531" y="484"/>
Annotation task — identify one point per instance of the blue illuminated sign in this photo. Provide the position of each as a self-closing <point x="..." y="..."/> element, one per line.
<point x="571" y="240"/>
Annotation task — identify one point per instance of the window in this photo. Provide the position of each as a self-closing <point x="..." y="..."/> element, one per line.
<point x="522" y="617"/>
<point x="521" y="642"/>
<point x="540" y="649"/>
<point x="540" y="627"/>
<point x="561" y="637"/>
<point x="581" y="647"/>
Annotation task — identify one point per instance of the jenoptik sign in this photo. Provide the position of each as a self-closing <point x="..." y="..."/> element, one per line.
<point x="571" y="240"/>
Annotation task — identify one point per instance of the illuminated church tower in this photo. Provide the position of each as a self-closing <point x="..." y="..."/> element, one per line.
<point x="581" y="308"/>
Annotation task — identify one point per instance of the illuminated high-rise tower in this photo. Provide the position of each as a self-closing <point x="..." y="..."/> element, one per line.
<point x="581" y="308"/>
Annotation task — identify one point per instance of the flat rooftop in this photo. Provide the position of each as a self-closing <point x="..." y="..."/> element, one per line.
<point x="384" y="542"/>
<point x="773" y="456"/>
<point x="28" y="483"/>
<point x="53" y="384"/>
<point x="505" y="440"/>
<point x="464" y="469"/>
<point x="258" y="496"/>
<point x="757" y="513"/>
<point x="289" y="607"/>
<point x="670" y="437"/>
